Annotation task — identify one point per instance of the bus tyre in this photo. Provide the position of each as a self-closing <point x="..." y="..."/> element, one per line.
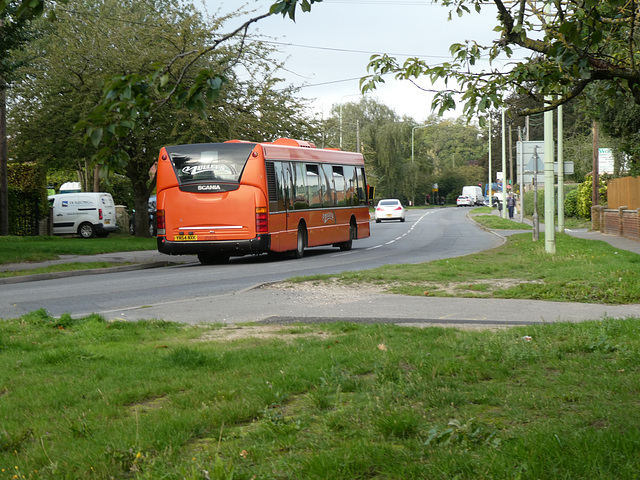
<point x="86" y="230"/>
<point x="302" y="242"/>
<point x="345" y="246"/>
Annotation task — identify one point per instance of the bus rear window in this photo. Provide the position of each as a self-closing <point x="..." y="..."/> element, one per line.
<point x="210" y="162"/>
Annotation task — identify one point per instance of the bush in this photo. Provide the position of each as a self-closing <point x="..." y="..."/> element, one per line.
<point x="571" y="203"/>
<point x="584" y="196"/>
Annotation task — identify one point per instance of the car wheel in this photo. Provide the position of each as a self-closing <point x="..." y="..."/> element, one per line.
<point x="302" y="242"/>
<point x="378" y="220"/>
<point x="86" y="230"/>
<point x="402" y="219"/>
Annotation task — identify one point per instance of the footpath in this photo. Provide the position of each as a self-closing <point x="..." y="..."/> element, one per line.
<point x="270" y="304"/>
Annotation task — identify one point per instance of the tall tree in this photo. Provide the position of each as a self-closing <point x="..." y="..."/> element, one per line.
<point x="575" y="44"/>
<point x="15" y="32"/>
<point x="93" y="41"/>
<point x="131" y="98"/>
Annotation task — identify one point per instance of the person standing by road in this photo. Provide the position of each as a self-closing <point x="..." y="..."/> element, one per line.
<point x="511" y="204"/>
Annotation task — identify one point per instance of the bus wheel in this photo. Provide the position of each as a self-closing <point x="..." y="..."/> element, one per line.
<point x="302" y="242"/>
<point x="344" y="246"/>
<point x="86" y="230"/>
<point x="212" y="258"/>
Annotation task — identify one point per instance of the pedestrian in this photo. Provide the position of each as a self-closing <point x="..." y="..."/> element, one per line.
<point x="511" y="205"/>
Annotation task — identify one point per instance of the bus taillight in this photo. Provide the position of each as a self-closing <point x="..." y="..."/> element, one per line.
<point x="160" y="222"/>
<point x="262" y="220"/>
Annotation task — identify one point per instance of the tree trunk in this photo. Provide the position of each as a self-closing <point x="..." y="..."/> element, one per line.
<point x="4" y="182"/>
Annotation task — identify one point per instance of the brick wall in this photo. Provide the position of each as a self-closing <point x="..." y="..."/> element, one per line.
<point x="620" y="222"/>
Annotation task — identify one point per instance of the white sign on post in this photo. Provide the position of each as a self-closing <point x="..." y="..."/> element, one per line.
<point x="530" y="160"/>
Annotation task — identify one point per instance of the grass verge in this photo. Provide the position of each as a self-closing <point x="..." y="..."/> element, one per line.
<point x="65" y="267"/>
<point x="580" y="271"/>
<point x="36" y="249"/>
<point x="87" y="398"/>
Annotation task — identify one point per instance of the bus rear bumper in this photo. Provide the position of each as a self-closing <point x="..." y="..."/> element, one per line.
<point x="259" y="244"/>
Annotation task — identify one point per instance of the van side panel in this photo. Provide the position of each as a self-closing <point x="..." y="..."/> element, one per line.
<point x="71" y="210"/>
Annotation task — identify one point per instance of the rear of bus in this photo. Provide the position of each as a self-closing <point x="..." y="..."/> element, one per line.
<point x="211" y="201"/>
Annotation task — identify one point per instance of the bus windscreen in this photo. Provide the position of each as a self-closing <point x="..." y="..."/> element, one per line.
<point x="214" y="162"/>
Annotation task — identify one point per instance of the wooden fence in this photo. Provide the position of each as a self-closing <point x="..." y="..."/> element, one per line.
<point x="624" y="192"/>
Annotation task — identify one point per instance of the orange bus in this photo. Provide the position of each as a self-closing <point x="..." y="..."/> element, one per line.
<point x="219" y="200"/>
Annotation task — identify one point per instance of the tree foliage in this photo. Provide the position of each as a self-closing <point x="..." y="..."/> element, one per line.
<point x="575" y="44"/>
<point x="74" y="70"/>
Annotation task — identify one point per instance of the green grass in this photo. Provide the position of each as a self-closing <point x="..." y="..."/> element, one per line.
<point x="580" y="271"/>
<point x="36" y="249"/>
<point x="65" y="267"/>
<point x="91" y="399"/>
<point x="494" y="222"/>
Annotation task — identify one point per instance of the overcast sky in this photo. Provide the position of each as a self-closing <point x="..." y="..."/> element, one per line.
<point x="327" y="49"/>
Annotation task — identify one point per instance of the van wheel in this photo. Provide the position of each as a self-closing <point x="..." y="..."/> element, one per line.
<point x="86" y="230"/>
<point x="302" y="242"/>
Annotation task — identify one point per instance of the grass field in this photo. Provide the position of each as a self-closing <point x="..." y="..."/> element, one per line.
<point x="36" y="249"/>
<point x="91" y="399"/>
<point x="96" y="400"/>
<point x="580" y="271"/>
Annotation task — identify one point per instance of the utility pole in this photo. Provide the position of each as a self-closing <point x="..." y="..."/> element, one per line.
<point x="595" y="197"/>
<point x="511" y="158"/>
<point x="549" y="177"/>
<point x="549" y="184"/>
<point x="489" y="192"/>
<point x="4" y="181"/>
<point x="560" y="171"/>
<point x="504" y="168"/>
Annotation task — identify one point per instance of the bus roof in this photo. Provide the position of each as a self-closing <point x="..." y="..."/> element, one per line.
<point x="291" y="149"/>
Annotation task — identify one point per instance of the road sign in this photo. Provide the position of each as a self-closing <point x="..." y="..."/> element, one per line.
<point x="531" y="156"/>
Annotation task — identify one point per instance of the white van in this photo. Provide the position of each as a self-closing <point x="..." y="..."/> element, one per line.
<point x="474" y="193"/>
<point x="86" y="214"/>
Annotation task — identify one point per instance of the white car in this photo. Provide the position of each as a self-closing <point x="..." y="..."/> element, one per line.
<point x="389" y="209"/>
<point x="464" y="201"/>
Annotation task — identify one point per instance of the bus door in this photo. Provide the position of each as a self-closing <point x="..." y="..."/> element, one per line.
<point x="285" y="182"/>
<point x="279" y="186"/>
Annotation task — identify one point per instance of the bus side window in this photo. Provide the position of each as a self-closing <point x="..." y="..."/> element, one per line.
<point x="300" y="194"/>
<point x="351" y="182"/>
<point x="340" y="186"/>
<point x="362" y="187"/>
<point x="313" y="183"/>
<point x="328" y="190"/>
<point x="283" y="185"/>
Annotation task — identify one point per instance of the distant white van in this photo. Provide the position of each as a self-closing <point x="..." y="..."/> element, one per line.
<point x="474" y="193"/>
<point x="86" y="214"/>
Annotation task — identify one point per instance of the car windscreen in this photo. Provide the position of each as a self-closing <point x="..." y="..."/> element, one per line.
<point x="389" y="203"/>
<point x="210" y="162"/>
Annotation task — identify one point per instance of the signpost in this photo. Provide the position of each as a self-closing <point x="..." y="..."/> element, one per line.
<point x="530" y="159"/>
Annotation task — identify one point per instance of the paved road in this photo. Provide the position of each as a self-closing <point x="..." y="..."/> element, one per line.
<point x="263" y="303"/>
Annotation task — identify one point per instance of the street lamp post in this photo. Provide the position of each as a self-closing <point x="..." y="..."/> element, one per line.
<point x="412" y="136"/>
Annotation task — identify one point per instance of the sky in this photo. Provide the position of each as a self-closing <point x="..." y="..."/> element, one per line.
<point x="326" y="51"/>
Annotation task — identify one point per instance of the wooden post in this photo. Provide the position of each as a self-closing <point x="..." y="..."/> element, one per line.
<point x="596" y="180"/>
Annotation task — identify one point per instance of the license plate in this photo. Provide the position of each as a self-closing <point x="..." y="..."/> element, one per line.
<point x="388" y="214"/>
<point x="107" y="222"/>
<point x="185" y="238"/>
